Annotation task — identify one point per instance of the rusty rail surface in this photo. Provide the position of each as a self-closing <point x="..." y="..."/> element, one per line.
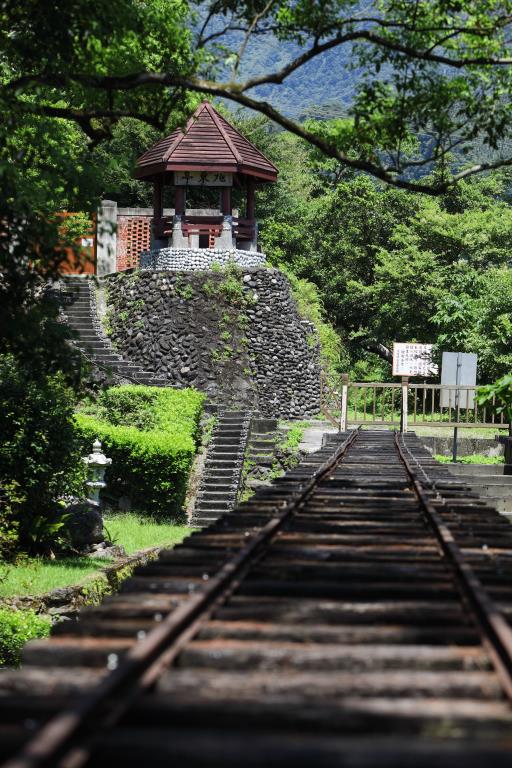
<point x="355" y="612"/>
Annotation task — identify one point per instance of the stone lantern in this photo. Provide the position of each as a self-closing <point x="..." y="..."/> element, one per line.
<point x="96" y="463"/>
<point x="86" y="523"/>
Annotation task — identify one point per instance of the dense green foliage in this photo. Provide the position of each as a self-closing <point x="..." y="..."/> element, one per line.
<point x="497" y="398"/>
<point x="389" y="265"/>
<point x="38" y="456"/>
<point x="16" y="629"/>
<point x="433" y="70"/>
<point x="151" y="436"/>
<point x="333" y="356"/>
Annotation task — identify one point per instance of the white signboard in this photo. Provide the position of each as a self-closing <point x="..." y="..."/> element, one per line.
<point x="202" y="179"/>
<point x="413" y="360"/>
<point x="458" y="368"/>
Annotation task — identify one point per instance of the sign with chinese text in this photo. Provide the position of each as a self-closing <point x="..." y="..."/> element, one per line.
<point x="413" y="360"/>
<point x="202" y="179"/>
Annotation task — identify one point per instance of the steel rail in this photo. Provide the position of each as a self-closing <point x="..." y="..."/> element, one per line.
<point x="494" y="629"/>
<point x="67" y="740"/>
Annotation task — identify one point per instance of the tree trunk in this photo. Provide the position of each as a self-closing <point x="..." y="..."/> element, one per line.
<point x="379" y="349"/>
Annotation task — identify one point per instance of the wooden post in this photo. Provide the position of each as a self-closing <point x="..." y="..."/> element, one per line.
<point x="226" y="201"/>
<point x="344" y="402"/>
<point x="405" y="391"/>
<point x="179" y="201"/>
<point x="250" y="209"/>
<point x="157" y="201"/>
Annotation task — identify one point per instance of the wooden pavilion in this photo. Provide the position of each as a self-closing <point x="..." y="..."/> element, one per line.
<point x="209" y="153"/>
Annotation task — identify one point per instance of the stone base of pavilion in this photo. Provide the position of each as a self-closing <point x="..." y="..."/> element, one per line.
<point x="192" y="259"/>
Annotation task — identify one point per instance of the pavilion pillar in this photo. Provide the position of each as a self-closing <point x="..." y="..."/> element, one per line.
<point x="226" y="236"/>
<point x="157" y="200"/>
<point x="250" y="210"/>
<point x="179" y="201"/>
<point x="227" y="209"/>
<point x="158" y="240"/>
<point x="178" y="238"/>
<point x="250" y="213"/>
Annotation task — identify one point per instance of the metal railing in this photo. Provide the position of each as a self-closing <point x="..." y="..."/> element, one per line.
<point x="404" y="405"/>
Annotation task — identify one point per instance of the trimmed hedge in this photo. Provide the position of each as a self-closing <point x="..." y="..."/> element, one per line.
<point x="16" y="629"/>
<point x="151" y="436"/>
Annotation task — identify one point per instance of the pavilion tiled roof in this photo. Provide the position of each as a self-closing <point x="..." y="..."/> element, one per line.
<point x="208" y="143"/>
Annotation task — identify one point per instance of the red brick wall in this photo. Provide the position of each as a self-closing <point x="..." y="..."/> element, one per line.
<point x="133" y="236"/>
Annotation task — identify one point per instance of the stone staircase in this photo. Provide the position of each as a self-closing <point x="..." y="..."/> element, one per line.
<point x="260" y="453"/>
<point x="262" y="441"/>
<point x="220" y="480"/>
<point x="79" y="306"/>
<point x="489" y="482"/>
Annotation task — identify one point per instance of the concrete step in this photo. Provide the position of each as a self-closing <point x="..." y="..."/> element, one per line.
<point x="203" y="522"/>
<point x="214" y="506"/>
<point x="105" y="356"/>
<point x="216" y="487"/>
<point x="91" y="336"/>
<point x="218" y="463"/>
<point x="99" y="350"/>
<point x="79" y="300"/>
<point x="504" y="506"/>
<point x="225" y="480"/>
<point x="495" y="491"/>
<point x="259" y="442"/>
<point x="476" y="469"/>
<point x="497" y="480"/>
<point x="260" y="457"/>
<point x="219" y="494"/>
<point x="82" y="325"/>
<point x="230" y="418"/>
<point x="226" y="444"/>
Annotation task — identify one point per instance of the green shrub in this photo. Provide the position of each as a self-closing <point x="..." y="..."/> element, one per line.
<point x="16" y="629"/>
<point x="8" y="527"/>
<point x="38" y="456"/>
<point x="151" y="436"/>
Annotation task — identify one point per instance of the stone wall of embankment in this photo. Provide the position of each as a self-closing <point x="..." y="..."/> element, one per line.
<point x="234" y="334"/>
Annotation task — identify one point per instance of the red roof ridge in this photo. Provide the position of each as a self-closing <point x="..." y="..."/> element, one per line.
<point x="217" y="120"/>
<point x="244" y="138"/>
<point x="208" y="141"/>
<point x="181" y="135"/>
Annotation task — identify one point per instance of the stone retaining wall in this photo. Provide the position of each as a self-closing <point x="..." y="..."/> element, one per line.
<point x="235" y="335"/>
<point x="466" y="446"/>
<point x="189" y="259"/>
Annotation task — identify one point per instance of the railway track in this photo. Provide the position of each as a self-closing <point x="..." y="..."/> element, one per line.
<point x="354" y="614"/>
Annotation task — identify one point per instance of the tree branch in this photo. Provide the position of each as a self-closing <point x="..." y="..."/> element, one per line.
<point x="248" y="34"/>
<point x="379" y="349"/>
<point x="235" y="92"/>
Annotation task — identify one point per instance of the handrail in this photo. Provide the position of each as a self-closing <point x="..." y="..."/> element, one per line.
<point x="389" y="403"/>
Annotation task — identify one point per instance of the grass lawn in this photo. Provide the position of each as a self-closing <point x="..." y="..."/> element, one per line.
<point x="474" y="459"/>
<point x="35" y="576"/>
<point x="485" y="432"/>
<point x="134" y="532"/>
